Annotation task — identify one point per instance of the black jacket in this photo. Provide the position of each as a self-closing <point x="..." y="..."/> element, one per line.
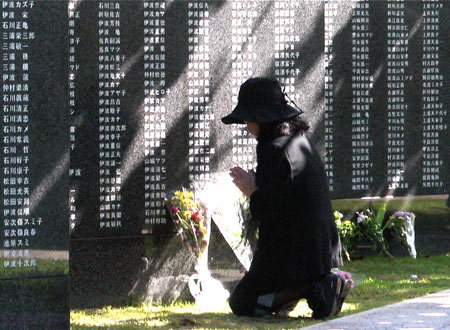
<point x="298" y="239"/>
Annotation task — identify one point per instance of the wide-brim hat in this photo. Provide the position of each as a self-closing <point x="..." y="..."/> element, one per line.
<point x="261" y="100"/>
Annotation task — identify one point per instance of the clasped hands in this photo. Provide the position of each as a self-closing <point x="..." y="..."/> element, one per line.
<point x="244" y="180"/>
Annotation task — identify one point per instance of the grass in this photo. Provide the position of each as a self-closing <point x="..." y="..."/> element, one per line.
<point x="430" y="205"/>
<point x="379" y="282"/>
<point x="44" y="267"/>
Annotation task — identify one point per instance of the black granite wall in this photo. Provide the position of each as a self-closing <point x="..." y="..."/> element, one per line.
<point x="34" y="235"/>
<point x="124" y="106"/>
<point x="359" y="69"/>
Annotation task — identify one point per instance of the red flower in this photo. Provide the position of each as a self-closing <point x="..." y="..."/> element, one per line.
<point x="196" y="216"/>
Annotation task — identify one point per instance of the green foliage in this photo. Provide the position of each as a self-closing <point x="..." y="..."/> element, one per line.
<point x="347" y="233"/>
<point x="369" y="225"/>
<point x="44" y="267"/>
<point x="379" y="215"/>
<point x="434" y="206"/>
<point x="401" y="224"/>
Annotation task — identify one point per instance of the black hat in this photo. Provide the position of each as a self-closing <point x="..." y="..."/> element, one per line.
<point x="261" y="100"/>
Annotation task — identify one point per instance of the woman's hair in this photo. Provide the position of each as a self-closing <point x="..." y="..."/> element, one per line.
<point x="267" y="132"/>
<point x="271" y="130"/>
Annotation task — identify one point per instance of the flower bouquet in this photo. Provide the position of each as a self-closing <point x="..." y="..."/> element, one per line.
<point x="370" y="223"/>
<point x="192" y="224"/>
<point x="347" y="233"/>
<point x="402" y="225"/>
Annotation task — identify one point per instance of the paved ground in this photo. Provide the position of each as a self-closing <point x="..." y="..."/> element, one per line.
<point x="430" y="312"/>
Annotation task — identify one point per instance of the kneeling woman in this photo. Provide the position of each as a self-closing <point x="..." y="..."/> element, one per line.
<point x="298" y="243"/>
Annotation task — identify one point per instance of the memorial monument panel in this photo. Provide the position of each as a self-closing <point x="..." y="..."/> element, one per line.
<point x="383" y="85"/>
<point x="155" y="77"/>
<point x="35" y="155"/>
<point x="145" y="83"/>
<point x="34" y="238"/>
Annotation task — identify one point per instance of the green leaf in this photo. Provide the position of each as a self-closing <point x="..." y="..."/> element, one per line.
<point x="380" y="214"/>
<point x="388" y="223"/>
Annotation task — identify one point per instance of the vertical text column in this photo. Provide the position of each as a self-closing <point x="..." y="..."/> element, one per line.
<point x="155" y="111"/>
<point x="111" y="127"/>
<point x="74" y="41"/>
<point x="200" y="115"/>
<point x="18" y="227"/>
<point x="330" y="14"/>
<point x="433" y="112"/>
<point x="361" y="99"/>
<point x="397" y="75"/>
<point x="285" y="39"/>
<point x="244" y="14"/>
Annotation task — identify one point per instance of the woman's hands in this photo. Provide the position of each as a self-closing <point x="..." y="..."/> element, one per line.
<point x="244" y="180"/>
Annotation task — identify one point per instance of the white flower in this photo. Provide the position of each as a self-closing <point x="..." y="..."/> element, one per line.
<point x="361" y="217"/>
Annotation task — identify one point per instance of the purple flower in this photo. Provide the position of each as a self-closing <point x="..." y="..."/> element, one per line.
<point x="174" y="209"/>
<point x="401" y="214"/>
<point x="361" y="217"/>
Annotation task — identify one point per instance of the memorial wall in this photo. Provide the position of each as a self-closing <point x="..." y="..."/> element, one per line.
<point x="108" y="106"/>
<point x="34" y="236"/>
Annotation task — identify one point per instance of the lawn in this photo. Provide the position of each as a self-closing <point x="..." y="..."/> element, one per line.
<point x="379" y="282"/>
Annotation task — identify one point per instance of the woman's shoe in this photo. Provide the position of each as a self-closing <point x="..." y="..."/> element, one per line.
<point x="327" y="295"/>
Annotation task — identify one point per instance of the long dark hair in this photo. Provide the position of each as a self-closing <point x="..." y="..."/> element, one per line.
<point x="268" y="132"/>
<point x="271" y="130"/>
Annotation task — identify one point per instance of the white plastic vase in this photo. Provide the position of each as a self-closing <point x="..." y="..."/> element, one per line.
<point x="208" y="292"/>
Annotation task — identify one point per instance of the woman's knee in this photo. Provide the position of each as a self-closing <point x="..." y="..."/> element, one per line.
<point x="241" y="306"/>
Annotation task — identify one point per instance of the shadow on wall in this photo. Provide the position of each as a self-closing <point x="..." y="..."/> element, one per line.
<point x="107" y="270"/>
<point x="112" y="268"/>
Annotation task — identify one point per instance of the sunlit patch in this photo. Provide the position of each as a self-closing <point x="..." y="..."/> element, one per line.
<point x="412" y="281"/>
<point x="39" y="193"/>
<point x="384" y="322"/>
<point x="350" y="307"/>
<point x="301" y="309"/>
<point x="433" y="314"/>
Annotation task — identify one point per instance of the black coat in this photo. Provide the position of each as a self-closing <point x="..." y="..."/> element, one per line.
<point x="298" y="239"/>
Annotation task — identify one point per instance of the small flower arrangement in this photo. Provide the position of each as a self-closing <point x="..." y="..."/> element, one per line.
<point x="371" y="225"/>
<point x="402" y="225"/>
<point x="190" y="219"/>
<point x="347" y="233"/>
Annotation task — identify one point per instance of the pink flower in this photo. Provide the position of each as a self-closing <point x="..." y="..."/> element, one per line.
<point x="347" y="276"/>
<point x="174" y="209"/>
